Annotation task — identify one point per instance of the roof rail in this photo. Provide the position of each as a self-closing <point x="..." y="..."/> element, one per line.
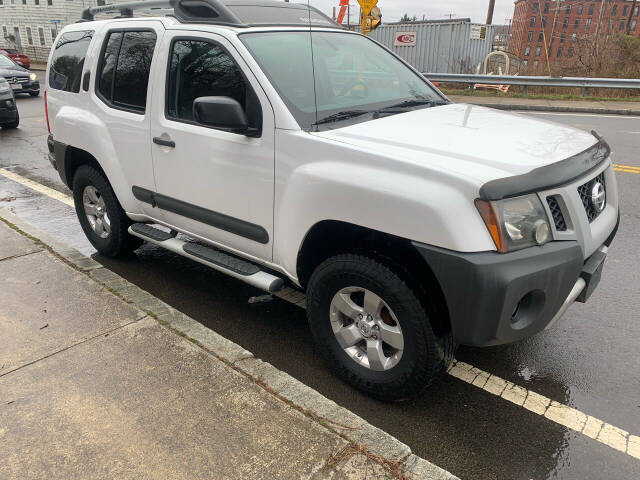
<point x="186" y="11"/>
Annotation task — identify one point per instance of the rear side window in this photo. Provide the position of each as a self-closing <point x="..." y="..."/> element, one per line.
<point x="123" y="72"/>
<point x="65" y="72"/>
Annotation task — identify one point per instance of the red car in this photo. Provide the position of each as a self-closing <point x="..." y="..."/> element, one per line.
<point x="20" y="58"/>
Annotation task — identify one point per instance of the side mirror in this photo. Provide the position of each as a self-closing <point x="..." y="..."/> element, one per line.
<point x="223" y="113"/>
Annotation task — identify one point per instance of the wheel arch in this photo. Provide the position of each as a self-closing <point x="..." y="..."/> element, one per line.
<point x="331" y="237"/>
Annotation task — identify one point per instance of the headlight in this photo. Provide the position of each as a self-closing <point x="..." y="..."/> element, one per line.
<point x="4" y="86"/>
<point x="32" y="77"/>
<point x="515" y="223"/>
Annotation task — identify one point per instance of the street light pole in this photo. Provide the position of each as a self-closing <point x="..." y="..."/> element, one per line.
<point x="492" y="4"/>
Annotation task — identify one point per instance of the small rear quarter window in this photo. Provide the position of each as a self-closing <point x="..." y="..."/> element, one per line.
<point x="65" y="72"/>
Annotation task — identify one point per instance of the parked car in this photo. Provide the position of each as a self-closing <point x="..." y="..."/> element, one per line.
<point x="20" y="79"/>
<point x="313" y="157"/>
<point x="20" y="58"/>
<point x="9" y="117"/>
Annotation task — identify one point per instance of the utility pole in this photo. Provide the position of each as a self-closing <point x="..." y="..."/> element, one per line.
<point x="492" y="4"/>
<point x="633" y="7"/>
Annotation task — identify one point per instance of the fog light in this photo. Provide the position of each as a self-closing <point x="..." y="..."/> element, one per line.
<point x="541" y="232"/>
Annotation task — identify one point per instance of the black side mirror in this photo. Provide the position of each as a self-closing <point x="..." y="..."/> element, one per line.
<point x="223" y="113"/>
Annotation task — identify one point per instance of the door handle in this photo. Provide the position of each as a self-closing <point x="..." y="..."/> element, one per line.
<point x="164" y="142"/>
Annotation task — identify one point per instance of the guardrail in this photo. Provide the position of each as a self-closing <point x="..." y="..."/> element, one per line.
<point x="532" y="81"/>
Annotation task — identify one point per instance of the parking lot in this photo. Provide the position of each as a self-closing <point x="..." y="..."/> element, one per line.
<point x="588" y="361"/>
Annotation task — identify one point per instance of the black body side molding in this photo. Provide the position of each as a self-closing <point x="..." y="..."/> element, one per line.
<point x="549" y="176"/>
<point x="218" y="220"/>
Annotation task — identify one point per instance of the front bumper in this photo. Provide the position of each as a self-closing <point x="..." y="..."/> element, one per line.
<point x="495" y="298"/>
<point x="8" y="111"/>
<point x="29" y="87"/>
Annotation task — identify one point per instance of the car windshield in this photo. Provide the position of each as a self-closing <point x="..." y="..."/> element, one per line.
<point x="348" y="76"/>
<point x="6" y="62"/>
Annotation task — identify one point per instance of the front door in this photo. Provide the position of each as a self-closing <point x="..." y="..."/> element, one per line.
<point x="214" y="184"/>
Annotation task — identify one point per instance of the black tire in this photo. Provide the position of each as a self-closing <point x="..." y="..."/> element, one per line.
<point x="11" y="125"/>
<point x="425" y="356"/>
<point x="119" y="242"/>
<point x="35" y="94"/>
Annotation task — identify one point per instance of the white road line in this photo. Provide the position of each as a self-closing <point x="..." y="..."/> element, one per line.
<point x="38" y="187"/>
<point x="559" y="413"/>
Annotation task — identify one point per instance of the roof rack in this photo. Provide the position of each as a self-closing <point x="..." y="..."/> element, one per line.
<point x="219" y="12"/>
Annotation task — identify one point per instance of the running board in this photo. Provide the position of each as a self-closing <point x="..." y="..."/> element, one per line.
<point x="223" y="262"/>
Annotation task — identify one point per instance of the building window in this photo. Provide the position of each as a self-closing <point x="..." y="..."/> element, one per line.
<point x="546" y="8"/>
<point x="535" y="64"/>
<point x="621" y="26"/>
<point x="538" y="50"/>
<point x="54" y="34"/>
<point x="533" y="22"/>
<point x="37" y="2"/>
<point x="527" y="51"/>
<point x="614" y="10"/>
<point x="559" y="52"/>
<point x="588" y="23"/>
<point x="49" y="2"/>
<point x="636" y="11"/>
<point x="580" y="8"/>
<point x="530" y="36"/>
<point x="565" y="23"/>
<point x="41" y="35"/>
<point x="576" y="24"/>
<point x="525" y="63"/>
<point x="5" y="34"/>
<point x="24" y="2"/>
<point x="544" y="22"/>
<point x="633" y="24"/>
<point x="568" y="10"/>
<point x="562" y="37"/>
<point x="570" y="52"/>
<point x="29" y="37"/>
<point x="625" y="10"/>
<point x="540" y="37"/>
<point x="100" y="3"/>
<point x="535" y="7"/>
<point x="591" y="8"/>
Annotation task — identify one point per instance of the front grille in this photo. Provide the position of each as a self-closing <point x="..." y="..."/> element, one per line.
<point x="585" y="195"/>
<point x="556" y="212"/>
<point x="17" y="79"/>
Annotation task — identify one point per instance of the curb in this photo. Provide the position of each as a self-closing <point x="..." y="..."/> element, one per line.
<point x="393" y="455"/>
<point x="552" y="108"/>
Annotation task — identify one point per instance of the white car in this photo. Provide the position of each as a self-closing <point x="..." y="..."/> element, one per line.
<point x="288" y="151"/>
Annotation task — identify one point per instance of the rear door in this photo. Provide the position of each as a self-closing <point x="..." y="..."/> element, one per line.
<point x="215" y="184"/>
<point x="122" y="96"/>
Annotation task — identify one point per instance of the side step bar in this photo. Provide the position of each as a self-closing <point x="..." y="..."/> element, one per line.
<point x="233" y="266"/>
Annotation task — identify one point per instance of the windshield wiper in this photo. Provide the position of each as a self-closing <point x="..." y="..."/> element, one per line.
<point x="336" y="117"/>
<point x="403" y="106"/>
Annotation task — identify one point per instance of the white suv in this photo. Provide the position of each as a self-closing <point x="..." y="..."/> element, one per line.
<point x="311" y="156"/>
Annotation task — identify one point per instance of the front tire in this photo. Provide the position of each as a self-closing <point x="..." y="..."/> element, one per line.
<point x="35" y="94"/>
<point x="11" y="125"/>
<point x="373" y="330"/>
<point x="102" y="218"/>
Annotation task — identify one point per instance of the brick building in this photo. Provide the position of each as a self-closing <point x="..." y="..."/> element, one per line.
<point x="566" y="25"/>
<point x="32" y="25"/>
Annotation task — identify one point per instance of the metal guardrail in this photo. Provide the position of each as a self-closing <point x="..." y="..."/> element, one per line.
<point x="532" y="81"/>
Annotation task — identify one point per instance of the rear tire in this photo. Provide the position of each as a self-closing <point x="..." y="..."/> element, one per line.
<point x="102" y="218"/>
<point x="423" y="355"/>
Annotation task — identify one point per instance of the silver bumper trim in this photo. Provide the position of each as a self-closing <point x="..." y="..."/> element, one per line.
<point x="575" y="293"/>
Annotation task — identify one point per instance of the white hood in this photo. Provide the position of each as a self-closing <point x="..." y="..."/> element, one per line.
<point x="471" y="141"/>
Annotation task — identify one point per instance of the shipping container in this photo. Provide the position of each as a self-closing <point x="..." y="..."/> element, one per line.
<point x="438" y="46"/>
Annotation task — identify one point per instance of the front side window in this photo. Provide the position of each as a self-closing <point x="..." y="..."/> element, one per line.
<point x="347" y="74"/>
<point x="67" y="61"/>
<point x="200" y="68"/>
<point x="124" y="69"/>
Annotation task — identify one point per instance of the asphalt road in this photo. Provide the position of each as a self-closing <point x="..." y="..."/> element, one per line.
<point x="589" y="360"/>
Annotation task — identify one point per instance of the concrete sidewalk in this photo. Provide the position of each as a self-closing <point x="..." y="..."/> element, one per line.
<point x="92" y="386"/>
<point x="541" y="105"/>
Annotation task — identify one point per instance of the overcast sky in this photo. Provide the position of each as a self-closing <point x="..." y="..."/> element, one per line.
<point x="392" y="10"/>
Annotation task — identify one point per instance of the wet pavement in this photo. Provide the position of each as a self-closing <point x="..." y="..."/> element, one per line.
<point x="589" y="360"/>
